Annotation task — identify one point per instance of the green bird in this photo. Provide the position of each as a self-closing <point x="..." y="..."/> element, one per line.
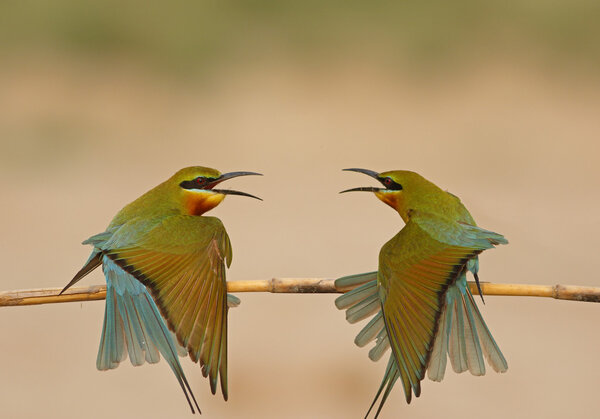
<point x="422" y="306"/>
<point x="164" y="263"/>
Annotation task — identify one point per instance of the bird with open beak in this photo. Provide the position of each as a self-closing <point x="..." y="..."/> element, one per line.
<point x="422" y="306"/>
<point x="164" y="263"/>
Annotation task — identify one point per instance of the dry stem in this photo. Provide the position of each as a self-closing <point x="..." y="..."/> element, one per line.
<point x="299" y="286"/>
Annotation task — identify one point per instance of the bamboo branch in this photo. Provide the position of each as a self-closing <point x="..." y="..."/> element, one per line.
<point x="297" y="286"/>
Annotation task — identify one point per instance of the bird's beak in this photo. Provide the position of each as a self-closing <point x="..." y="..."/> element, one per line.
<point x="231" y="175"/>
<point x="367" y="172"/>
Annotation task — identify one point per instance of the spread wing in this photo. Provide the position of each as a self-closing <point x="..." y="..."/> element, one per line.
<point x="416" y="268"/>
<point x="181" y="259"/>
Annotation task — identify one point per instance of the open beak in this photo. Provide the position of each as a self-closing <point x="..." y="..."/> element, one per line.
<point x="367" y="172"/>
<point x="231" y="175"/>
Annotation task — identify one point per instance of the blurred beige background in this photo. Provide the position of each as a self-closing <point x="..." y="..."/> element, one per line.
<point x="497" y="103"/>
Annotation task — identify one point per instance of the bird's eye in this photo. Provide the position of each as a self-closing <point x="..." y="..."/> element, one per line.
<point x="200" y="180"/>
<point x="388" y="181"/>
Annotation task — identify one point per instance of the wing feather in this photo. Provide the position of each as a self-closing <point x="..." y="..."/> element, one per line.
<point x="416" y="269"/>
<point x="182" y="261"/>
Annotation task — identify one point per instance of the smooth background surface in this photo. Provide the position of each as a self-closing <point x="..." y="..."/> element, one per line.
<point x="510" y="125"/>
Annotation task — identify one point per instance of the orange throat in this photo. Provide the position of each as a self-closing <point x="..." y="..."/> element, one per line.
<point x="199" y="202"/>
<point x="395" y="200"/>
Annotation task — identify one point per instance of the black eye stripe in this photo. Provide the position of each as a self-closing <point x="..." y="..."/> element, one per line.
<point x="390" y="184"/>
<point x="195" y="183"/>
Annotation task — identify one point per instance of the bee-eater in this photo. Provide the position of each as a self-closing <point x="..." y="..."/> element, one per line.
<point x="422" y="306"/>
<point x="164" y="264"/>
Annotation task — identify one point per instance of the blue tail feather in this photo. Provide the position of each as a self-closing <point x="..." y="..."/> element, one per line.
<point x="463" y="336"/>
<point x="389" y="379"/>
<point x="133" y="320"/>
<point x="462" y="333"/>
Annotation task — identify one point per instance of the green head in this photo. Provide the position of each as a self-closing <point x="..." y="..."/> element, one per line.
<point x="402" y="190"/>
<point x="196" y="186"/>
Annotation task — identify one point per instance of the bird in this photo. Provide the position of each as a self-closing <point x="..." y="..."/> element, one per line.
<point x="164" y="265"/>
<point x="421" y="304"/>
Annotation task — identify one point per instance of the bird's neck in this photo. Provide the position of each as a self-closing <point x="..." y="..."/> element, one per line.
<point x="396" y="201"/>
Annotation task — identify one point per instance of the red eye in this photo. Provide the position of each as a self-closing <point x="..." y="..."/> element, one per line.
<point x="387" y="181"/>
<point x="200" y="180"/>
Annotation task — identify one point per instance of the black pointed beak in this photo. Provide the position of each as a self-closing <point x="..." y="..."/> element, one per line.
<point x="231" y="175"/>
<point x="364" y="189"/>
<point x="367" y="172"/>
<point x="230" y="192"/>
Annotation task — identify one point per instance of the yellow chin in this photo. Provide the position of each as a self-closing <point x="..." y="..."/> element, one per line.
<point x="199" y="202"/>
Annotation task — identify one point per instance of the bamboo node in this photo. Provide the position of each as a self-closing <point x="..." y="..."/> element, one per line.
<point x="556" y="292"/>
